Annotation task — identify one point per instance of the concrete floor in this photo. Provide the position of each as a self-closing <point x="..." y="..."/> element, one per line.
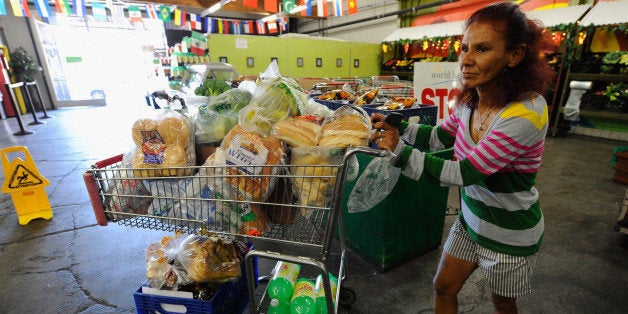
<point x="69" y="264"/>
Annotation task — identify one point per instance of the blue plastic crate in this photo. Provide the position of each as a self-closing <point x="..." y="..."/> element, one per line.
<point x="427" y="114"/>
<point x="231" y="297"/>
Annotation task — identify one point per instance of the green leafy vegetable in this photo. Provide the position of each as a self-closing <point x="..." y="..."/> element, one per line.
<point x="212" y="87"/>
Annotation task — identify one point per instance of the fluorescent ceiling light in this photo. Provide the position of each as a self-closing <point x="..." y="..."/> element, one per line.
<point x="270" y="18"/>
<point x="297" y="9"/>
<point x="216" y="7"/>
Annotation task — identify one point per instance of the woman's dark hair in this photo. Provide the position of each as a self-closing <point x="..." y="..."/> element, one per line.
<point x="532" y="73"/>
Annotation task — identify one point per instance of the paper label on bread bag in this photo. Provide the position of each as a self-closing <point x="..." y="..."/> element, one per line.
<point x="244" y="151"/>
<point x="153" y="147"/>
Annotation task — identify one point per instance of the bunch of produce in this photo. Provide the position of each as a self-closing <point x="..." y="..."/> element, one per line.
<point x="212" y="87"/>
<point x="215" y="118"/>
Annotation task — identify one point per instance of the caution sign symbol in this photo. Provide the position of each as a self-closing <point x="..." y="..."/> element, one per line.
<point x="22" y="177"/>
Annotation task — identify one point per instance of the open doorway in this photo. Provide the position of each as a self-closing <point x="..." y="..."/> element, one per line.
<point x="91" y="63"/>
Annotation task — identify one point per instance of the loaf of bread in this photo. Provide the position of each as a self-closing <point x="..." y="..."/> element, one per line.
<point x="315" y="176"/>
<point x="297" y="132"/>
<point x="162" y="142"/>
<point x="344" y="130"/>
<point x="209" y="259"/>
<point x="252" y="161"/>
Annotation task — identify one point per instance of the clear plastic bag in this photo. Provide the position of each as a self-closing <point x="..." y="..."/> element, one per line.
<point x="373" y="185"/>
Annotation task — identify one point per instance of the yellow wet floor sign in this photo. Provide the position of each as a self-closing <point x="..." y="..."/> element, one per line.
<point x="26" y="185"/>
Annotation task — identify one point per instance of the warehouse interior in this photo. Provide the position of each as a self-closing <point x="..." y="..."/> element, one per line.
<point x="71" y="262"/>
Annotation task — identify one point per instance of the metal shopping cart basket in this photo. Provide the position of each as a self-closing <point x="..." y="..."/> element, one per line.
<point x="191" y="199"/>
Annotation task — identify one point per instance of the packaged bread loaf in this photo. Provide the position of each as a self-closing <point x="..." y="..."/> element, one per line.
<point x="252" y="161"/>
<point x="298" y="131"/>
<point x="181" y="259"/>
<point x="234" y="212"/>
<point x="314" y="171"/>
<point x="208" y="259"/>
<point x="347" y="127"/>
<point x="164" y="145"/>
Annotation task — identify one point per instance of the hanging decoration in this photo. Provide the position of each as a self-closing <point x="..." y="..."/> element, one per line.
<point x="43" y="9"/>
<point x="78" y="8"/>
<point x="164" y="13"/>
<point x="352" y="7"/>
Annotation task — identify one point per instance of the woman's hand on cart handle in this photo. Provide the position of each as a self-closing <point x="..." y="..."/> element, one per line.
<point x="386" y="136"/>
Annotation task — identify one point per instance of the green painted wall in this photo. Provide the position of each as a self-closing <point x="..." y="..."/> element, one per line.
<point x="337" y="57"/>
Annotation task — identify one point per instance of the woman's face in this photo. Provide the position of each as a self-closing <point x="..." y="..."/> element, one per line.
<point x="483" y="55"/>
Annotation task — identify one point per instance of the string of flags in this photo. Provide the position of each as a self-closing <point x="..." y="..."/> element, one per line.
<point x="180" y="18"/>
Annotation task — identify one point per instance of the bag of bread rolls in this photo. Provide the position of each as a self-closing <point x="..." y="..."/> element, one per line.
<point x="164" y="145"/>
<point x="298" y="131"/>
<point x="313" y="171"/>
<point x="349" y="126"/>
<point x="162" y="271"/>
<point x="208" y="259"/>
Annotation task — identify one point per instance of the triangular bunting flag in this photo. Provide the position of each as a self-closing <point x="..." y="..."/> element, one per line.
<point x="3" y="8"/>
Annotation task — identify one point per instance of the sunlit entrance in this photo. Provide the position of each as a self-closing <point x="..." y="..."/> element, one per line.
<point x="90" y="62"/>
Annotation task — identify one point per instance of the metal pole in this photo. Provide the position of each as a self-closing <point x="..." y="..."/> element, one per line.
<point x="30" y="104"/>
<point x="41" y="101"/>
<point x="10" y="88"/>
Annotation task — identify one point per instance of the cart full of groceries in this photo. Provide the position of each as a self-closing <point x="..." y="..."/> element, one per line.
<point x="270" y="188"/>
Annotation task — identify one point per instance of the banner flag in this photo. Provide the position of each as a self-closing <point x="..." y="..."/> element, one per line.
<point x="271" y="6"/>
<point x="353" y="7"/>
<point x="135" y="15"/>
<point x="62" y="6"/>
<point x="338" y="9"/>
<point x="99" y="11"/>
<point x="250" y="3"/>
<point x="78" y="8"/>
<point x="151" y="11"/>
<point x="43" y="9"/>
<point x="164" y="13"/>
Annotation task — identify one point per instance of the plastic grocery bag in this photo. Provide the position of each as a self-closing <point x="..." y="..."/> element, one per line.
<point x="374" y="184"/>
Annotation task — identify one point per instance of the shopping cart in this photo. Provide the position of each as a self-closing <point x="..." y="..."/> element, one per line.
<point x="303" y="208"/>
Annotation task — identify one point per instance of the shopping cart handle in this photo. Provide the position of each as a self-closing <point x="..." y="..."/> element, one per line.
<point x="367" y="151"/>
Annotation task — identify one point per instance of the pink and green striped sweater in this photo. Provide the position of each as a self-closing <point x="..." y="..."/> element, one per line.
<point x="500" y="205"/>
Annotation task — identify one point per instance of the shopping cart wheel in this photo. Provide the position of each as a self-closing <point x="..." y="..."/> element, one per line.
<point x="347" y="296"/>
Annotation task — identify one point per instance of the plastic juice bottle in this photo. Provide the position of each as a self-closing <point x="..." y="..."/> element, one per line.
<point x="281" y="285"/>
<point x="278" y="307"/>
<point x="319" y="290"/>
<point x="303" y="299"/>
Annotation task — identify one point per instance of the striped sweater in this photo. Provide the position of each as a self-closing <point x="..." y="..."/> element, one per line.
<point x="500" y="205"/>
